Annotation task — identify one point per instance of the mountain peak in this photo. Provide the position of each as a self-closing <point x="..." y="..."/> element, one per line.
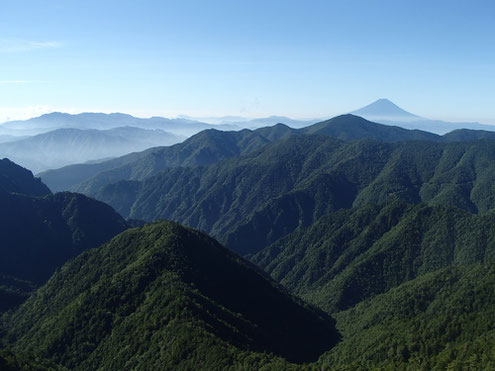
<point x="192" y="290"/>
<point x="16" y="179"/>
<point x="385" y="102"/>
<point x="384" y="109"/>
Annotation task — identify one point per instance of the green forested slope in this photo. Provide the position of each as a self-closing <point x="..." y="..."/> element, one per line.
<point x="443" y="320"/>
<point x="207" y="147"/>
<point x="166" y="297"/>
<point x="10" y="361"/>
<point x="397" y="240"/>
<point x="251" y="201"/>
<point x="40" y="234"/>
<point x="210" y="146"/>
<point x="467" y="135"/>
<point x="349" y="127"/>
<point x="204" y="148"/>
<point x="350" y="255"/>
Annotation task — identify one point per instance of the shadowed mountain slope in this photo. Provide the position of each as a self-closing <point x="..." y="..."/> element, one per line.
<point x="39" y="234"/>
<point x="16" y="179"/>
<point x="176" y="299"/>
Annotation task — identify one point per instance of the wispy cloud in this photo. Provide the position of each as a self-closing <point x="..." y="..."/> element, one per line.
<point x="13" y="45"/>
<point x="21" y="82"/>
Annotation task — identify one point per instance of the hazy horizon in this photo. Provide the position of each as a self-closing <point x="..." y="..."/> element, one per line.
<point x="252" y="59"/>
<point x="212" y="119"/>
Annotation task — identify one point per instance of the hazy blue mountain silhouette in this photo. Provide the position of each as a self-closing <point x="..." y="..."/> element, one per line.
<point x="211" y="146"/>
<point x="253" y="123"/>
<point x="385" y="109"/>
<point x="63" y="147"/>
<point x="91" y="120"/>
<point x="386" y="112"/>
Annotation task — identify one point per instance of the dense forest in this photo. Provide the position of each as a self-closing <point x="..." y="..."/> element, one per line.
<point x="349" y="245"/>
<point x="41" y="231"/>
<point x="270" y="192"/>
<point x="175" y="298"/>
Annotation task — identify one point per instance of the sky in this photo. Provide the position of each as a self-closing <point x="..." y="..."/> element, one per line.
<point x="302" y="59"/>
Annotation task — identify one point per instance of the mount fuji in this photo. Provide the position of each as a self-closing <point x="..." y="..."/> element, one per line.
<point x="386" y="112"/>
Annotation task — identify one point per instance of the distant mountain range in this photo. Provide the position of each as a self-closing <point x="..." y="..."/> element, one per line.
<point x="11" y="138"/>
<point x="211" y="146"/>
<point x="382" y="111"/>
<point x="103" y="121"/>
<point x="385" y="112"/>
<point x="255" y="123"/>
<point x="61" y="147"/>
<point x="58" y="139"/>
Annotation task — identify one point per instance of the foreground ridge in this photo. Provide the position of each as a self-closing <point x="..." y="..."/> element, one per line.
<point x="176" y="299"/>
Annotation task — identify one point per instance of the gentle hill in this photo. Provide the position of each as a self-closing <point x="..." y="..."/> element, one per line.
<point x="167" y="297"/>
<point x="67" y="146"/>
<point x="16" y="179"/>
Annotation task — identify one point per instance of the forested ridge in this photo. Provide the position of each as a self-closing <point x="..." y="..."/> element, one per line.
<point x="166" y="297"/>
<point x="211" y="146"/>
<point x="293" y="182"/>
<point x="380" y="254"/>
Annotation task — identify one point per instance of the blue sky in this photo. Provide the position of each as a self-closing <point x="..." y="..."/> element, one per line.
<point x="251" y="58"/>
